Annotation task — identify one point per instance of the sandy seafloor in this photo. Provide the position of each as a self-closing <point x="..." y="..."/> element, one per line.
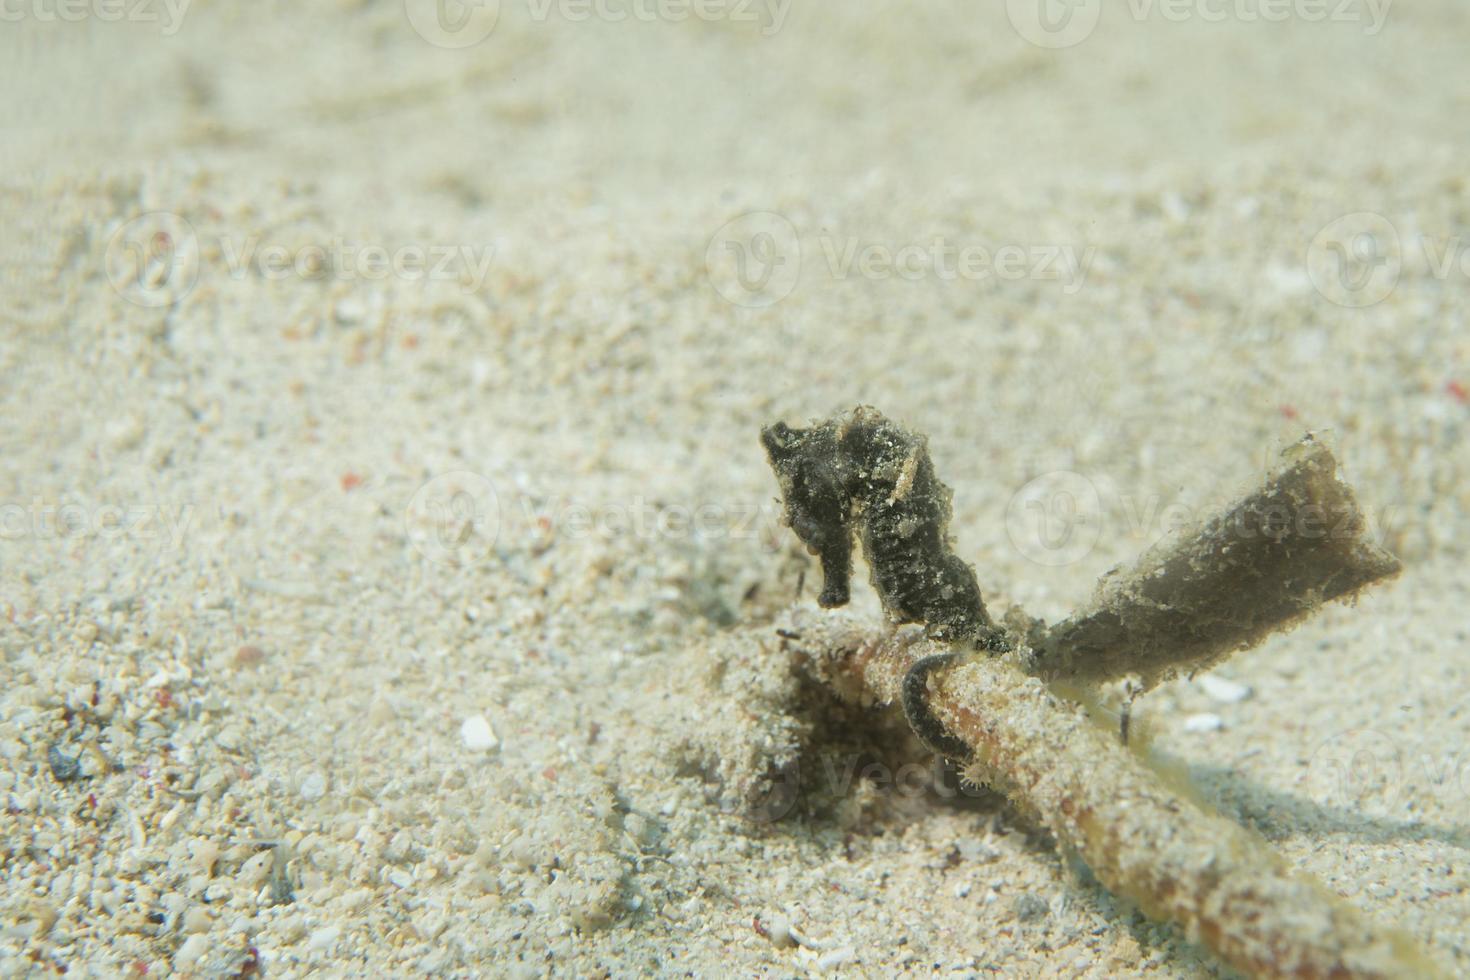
<point x="234" y="564"/>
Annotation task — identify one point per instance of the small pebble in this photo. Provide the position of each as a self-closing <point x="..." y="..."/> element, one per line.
<point x="323" y="939"/>
<point x="357" y="898"/>
<point x="314" y="787"/>
<point x="836" y="958"/>
<point x="64" y="767"/>
<point x="1029" y="907"/>
<point x="192" y="951"/>
<point x="349" y="311"/>
<point x="1174" y="207"/>
<point x="196" y="921"/>
<point x="249" y="656"/>
<point x="1204" y="722"/>
<point x="125" y="432"/>
<point x="477" y="734"/>
<point x="1223" y="690"/>
<point x="778" y="931"/>
<point x="202" y="856"/>
<point x="254" y="869"/>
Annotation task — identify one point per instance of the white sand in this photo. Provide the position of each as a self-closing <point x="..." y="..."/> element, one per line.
<point x="281" y="646"/>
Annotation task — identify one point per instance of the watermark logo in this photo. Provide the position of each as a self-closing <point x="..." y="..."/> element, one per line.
<point x="1356" y="767"/>
<point x="1369" y="771"/>
<point x="1355" y="260"/>
<point x="452" y="23"/>
<point x="1358" y="259"/>
<point x="1054" y="24"/>
<point x="1055" y="519"/>
<point x="153" y="260"/>
<point x="754" y="260"/>
<point x="454" y="519"/>
<point x="776" y="796"/>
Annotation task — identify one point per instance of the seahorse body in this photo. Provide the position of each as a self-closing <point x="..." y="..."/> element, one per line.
<point x="860" y="471"/>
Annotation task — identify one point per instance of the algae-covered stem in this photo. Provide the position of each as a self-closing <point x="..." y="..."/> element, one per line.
<point x="1184" y="607"/>
<point x="1259" y="566"/>
<point x="1143" y="839"/>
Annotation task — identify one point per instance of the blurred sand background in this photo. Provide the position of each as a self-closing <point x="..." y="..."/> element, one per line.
<point x="278" y="535"/>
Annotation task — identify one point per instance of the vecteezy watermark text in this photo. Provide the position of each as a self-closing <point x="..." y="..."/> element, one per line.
<point x="1057" y="518"/>
<point x="462" y="23"/>
<point x="948" y="261"/>
<point x="1357" y="260"/>
<point x="340" y="259"/>
<point x="168" y="14"/>
<point x="1370" y="13"/>
<point x="768" y="14"/>
<point x="755" y="260"/>
<point x="458" y="517"/>
<point x="42" y="519"/>
<point x="156" y="258"/>
<point x="1064" y="23"/>
<point x="1366" y="769"/>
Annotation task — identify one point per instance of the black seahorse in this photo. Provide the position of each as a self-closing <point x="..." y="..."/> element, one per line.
<point x="860" y="472"/>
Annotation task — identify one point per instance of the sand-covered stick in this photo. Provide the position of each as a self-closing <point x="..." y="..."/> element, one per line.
<point x="1144" y="839"/>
